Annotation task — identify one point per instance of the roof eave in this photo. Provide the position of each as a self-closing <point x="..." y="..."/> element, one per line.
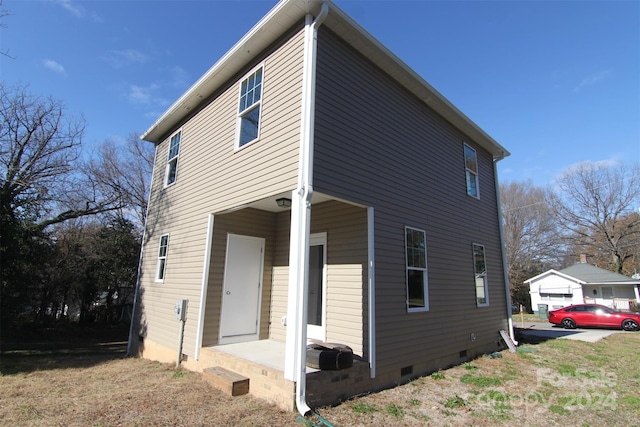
<point x="282" y="17"/>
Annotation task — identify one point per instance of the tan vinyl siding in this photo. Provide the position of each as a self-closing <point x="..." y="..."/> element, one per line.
<point x="346" y="228"/>
<point x="280" y="274"/>
<point x="246" y="222"/>
<point x="378" y="145"/>
<point x="213" y="177"/>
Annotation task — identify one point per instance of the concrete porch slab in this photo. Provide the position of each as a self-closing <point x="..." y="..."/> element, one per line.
<point x="265" y="352"/>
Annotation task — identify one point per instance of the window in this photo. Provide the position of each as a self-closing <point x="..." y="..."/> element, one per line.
<point x="471" y="171"/>
<point x="249" y="108"/>
<point x="416" y="259"/>
<point x="480" y="266"/>
<point x="172" y="159"/>
<point x="162" y="257"/>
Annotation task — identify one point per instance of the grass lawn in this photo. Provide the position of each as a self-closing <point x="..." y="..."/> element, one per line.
<point x="80" y="377"/>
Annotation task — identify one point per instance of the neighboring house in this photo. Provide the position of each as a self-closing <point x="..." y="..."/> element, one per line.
<point x="583" y="283"/>
<point x="312" y="186"/>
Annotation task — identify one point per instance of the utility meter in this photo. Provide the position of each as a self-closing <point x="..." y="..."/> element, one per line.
<point x="181" y="309"/>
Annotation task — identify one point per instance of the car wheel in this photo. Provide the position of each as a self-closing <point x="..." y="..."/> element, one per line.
<point x="568" y="324"/>
<point x="630" y="325"/>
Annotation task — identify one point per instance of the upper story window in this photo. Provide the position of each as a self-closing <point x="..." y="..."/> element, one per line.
<point x="416" y="259"/>
<point x="172" y="159"/>
<point x="480" y="267"/>
<point x="162" y="257"/>
<point x="249" y="108"/>
<point x="471" y="171"/>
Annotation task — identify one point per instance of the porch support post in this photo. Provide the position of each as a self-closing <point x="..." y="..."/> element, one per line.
<point x="205" y="283"/>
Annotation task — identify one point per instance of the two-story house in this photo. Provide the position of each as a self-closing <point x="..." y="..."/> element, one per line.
<point x="311" y="186"/>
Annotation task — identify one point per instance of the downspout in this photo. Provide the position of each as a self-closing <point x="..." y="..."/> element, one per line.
<point x="301" y="210"/>
<point x="371" y="271"/>
<point x="505" y="266"/>
<point x="144" y="236"/>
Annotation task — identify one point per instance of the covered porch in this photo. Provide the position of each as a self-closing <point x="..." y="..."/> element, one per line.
<point x="263" y="363"/>
<point x="245" y="312"/>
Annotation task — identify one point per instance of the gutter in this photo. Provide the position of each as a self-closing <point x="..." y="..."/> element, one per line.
<point x="301" y="220"/>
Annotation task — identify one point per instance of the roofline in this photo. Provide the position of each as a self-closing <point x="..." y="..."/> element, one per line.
<point x="580" y="281"/>
<point x="284" y="15"/>
<point x="552" y="271"/>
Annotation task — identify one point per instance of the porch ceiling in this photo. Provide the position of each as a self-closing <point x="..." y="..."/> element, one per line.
<point x="269" y="204"/>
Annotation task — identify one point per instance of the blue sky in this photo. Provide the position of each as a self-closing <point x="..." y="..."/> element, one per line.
<point x="555" y="82"/>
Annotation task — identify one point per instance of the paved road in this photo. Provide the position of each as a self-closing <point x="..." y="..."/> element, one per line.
<point x="546" y="330"/>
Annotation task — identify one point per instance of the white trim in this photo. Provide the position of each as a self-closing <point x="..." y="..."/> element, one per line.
<point x="557" y="273"/>
<point x="144" y="236"/>
<point x="205" y="281"/>
<point x="503" y="253"/>
<point x="372" y="291"/>
<point x="241" y="114"/>
<point x="425" y="271"/>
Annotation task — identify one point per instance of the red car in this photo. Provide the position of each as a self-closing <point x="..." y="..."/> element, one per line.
<point x="594" y="315"/>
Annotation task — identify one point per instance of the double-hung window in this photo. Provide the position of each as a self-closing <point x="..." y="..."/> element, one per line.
<point x="172" y="159"/>
<point x="162" y="257"/>
<point x="416" y="262"/>
<point x="471" y="171"/>
<point x="249" y="108"/>
<point x="480" y="270"/>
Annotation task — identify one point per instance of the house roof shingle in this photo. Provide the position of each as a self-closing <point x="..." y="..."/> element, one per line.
<point x="591" y="274"/>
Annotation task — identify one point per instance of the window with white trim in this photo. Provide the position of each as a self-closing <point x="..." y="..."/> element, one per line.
<point x="172" y="159"/>
<point x="471" y="171"/>
<point x="416" y="263"/>
<point x="480" y="270"/>
<point x="162" y="257"/>
<point x="249" y="108"/>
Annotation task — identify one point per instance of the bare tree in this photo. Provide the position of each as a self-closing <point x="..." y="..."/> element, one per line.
<point x="3" y="13"/>
<point x="530" y="232"/>
<point x="42" y="176"/>
<point x="126" y="172"/>
<point x="597" y="203"/>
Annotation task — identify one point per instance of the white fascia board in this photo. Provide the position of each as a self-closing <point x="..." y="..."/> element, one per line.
<point x="555" y="273"/>
<point x="282" y="17"/>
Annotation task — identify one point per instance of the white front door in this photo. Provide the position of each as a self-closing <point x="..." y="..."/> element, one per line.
<point x="317" y="301"/>
<point x="241" y="289"/>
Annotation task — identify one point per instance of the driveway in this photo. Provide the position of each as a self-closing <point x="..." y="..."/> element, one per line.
<point x="543" y="330"/>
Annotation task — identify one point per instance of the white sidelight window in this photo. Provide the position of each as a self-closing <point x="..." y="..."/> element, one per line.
<point x="480" y="267"/>
<point x="416" y="263"/>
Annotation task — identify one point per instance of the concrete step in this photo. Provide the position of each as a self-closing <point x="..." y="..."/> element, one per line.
<point x="228" y="381"/>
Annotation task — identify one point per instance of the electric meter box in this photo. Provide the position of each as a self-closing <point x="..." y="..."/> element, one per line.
<point x="181" y="309"/>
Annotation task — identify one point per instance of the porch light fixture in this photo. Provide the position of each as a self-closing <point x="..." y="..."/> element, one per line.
<point x="284" y="202"/>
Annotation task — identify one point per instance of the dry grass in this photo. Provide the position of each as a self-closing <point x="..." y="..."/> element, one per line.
<point x="50" y="380"/>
